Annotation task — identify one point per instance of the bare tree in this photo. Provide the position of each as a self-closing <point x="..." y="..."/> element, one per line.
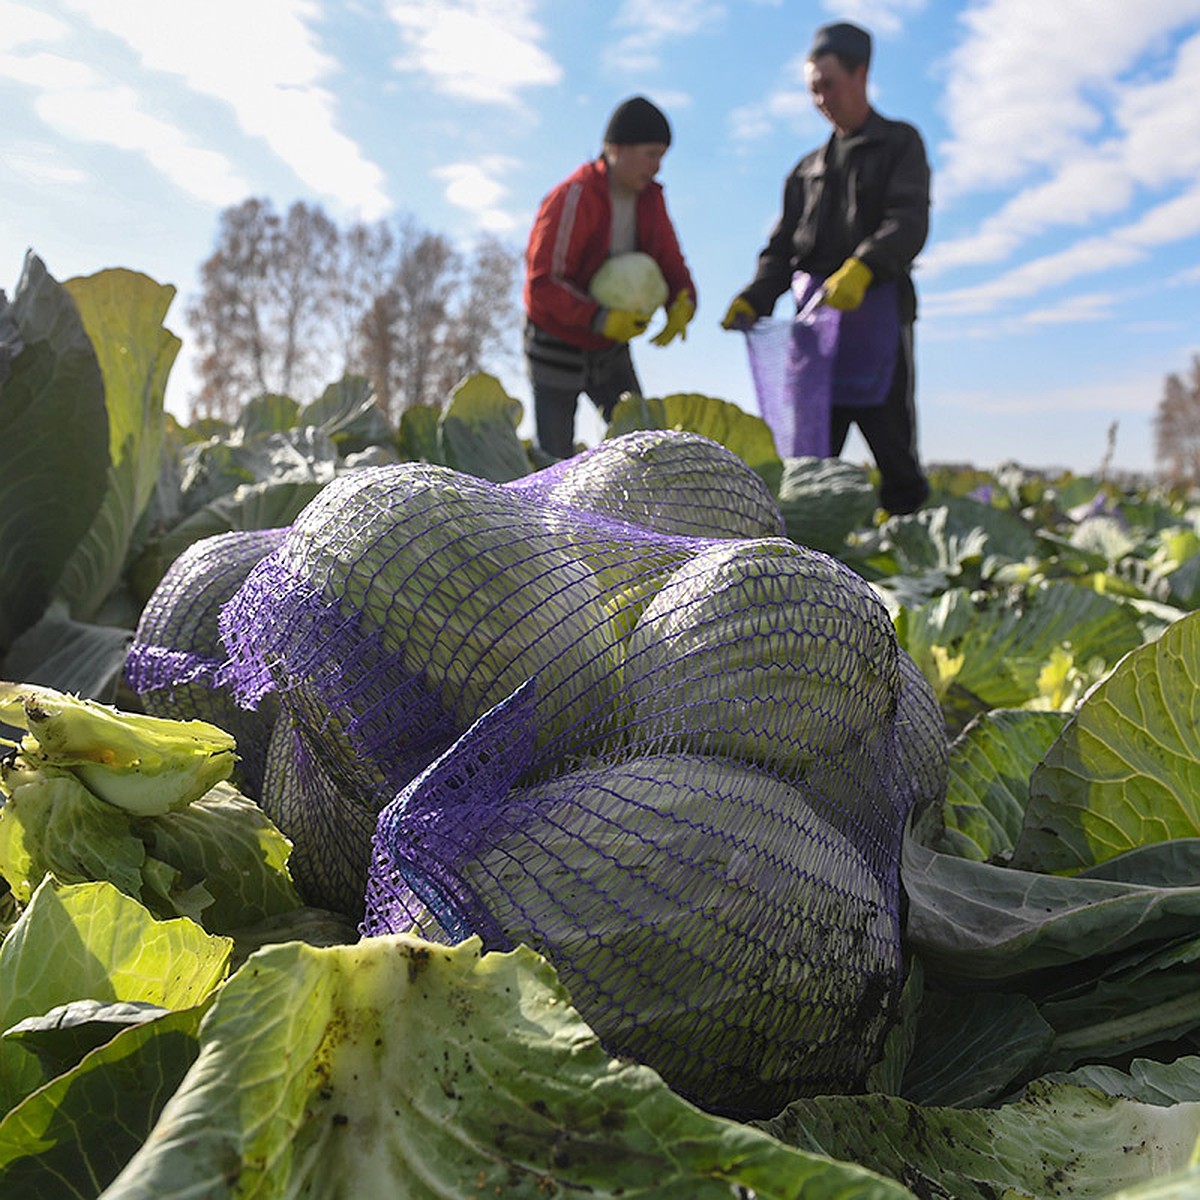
<point x="489" y="307"/>
<point x="367" y="261"/>
<point x="1177" y="427"/>
<point x="261" y="320"/>
<point x="442" y="317"/>
<point x="227" y="320"/>
<point x="288" y="304"/>
<point x="422" y="291"/>
<point x="304" y="280"/>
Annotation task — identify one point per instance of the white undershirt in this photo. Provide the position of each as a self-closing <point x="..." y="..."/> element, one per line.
<point x="624" y="220"/>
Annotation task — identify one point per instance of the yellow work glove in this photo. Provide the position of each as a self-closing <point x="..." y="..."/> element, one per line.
<point x="620" y="325"/>
<point x="847" y="286"/>
<point x="740" y="315"/>
<point x="682" y="309"/>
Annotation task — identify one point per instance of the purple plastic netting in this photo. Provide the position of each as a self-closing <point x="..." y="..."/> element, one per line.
<point x="177" y="664"/>
<point x="664" y="480"/>
<point x="791" y="363"/>
<point x="330" y="830"/>
<point x="821" y="357"/>
<point x="658" y="736"/>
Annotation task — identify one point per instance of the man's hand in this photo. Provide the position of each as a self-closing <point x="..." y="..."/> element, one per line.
<point x="682" y="309"/>
<point x="847" y="286"/>
<point x="740" y="315"/>
<point x="620" y="325"/>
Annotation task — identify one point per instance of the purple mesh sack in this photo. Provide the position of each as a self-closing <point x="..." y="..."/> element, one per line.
<point x="677" y="765"/>
<point x="359" y="627"/>
<point x="702" y="830"/>
<point x="822" y="357"/>
<point x="791" y="363"/>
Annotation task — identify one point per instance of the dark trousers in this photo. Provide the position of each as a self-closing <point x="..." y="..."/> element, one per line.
<point x="603" y="376"/>
<point x="890" y="430"/>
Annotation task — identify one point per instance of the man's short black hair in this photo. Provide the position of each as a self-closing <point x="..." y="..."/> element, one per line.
<point x="851" y="44"/>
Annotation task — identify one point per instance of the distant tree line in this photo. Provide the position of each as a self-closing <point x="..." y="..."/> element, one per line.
<point x="289" y="303"/>
<point x="1177" y="427"/>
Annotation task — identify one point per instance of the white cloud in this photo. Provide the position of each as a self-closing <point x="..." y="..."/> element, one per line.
<point x="45" y="71"/>
<point x="81" y="103"/>
<point x="23" y="26"/>
<point x="1101" y="396"/>
<point x="649" y="27"/>
<point x="1090" y="186"/>
<point x="482" y="50"/>
<point x="1114" y="132"/>
<point x="113" y="115"/>
<point x="39" y="166"/>
<point x="262" y="59"/>
<point x="1171" y="221"/>
<point x="1032" y="81"/>
<point x="1095" y="306"/>
<point x="1158" y="121"/>
<point x="789" y="104"/>
<point x="879" y="16"/>
<point x="475" y="188"/>
<point x="1042" y="275"/>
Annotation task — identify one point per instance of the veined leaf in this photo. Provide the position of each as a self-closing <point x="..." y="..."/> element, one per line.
<point x="122" y="312"/>
<point x="1126" y="770"/>
<point x="978" y="921"/>
<point x="399" y="1067"/>
<point x="478" y="431"/>
<point x="744" y="433"/>
<point x="1058" y="1140"/>
<point x="988" y="785"/>
<point x="267" y="413"/>
<point x="1005" y="641"/>
<point x="89" y="940"/>
<point x="347" y="412"/>
<point x="823" y="499"/>
<point x="76" y="1133"/>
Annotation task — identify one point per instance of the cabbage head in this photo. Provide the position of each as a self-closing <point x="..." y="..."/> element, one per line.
<point x="630" y="281"/>
<point x="452" y="574"/>
<point x="764" y="651"/>
<point x="705" y="920"/>
<point x="672" y="481"/>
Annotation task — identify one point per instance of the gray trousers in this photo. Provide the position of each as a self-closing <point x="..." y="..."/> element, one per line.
<point x="559" y="372"/>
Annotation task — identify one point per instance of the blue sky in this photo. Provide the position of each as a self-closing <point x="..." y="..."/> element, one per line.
<point x="1060" y="284"/>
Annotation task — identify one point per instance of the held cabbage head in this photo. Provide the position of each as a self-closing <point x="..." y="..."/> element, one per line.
<point x="632" y="282"/>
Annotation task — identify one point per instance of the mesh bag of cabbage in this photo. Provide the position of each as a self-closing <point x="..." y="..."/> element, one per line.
<point x="608" y="711"/>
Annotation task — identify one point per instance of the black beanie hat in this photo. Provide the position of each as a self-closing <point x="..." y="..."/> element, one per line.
<point x="843" y="39"/>
<point x="636" y="120"/>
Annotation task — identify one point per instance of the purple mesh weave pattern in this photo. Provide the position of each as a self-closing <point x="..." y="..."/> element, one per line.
<point x="664" y="480"/>
<point x="177" y="663"/>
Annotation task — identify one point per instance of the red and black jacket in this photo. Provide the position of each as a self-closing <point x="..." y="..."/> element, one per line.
<point x="571" y="238"/>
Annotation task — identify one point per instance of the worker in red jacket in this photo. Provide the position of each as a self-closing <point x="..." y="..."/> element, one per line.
<point x="609" y="206"/>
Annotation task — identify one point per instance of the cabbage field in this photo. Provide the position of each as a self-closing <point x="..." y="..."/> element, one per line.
<point x="189" y="1006"/>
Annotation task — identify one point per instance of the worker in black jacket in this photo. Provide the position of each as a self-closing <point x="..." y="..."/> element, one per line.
<point x="855" y="216"/>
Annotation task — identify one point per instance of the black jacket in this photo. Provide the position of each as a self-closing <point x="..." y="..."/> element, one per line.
<point x="876" y="208"/>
